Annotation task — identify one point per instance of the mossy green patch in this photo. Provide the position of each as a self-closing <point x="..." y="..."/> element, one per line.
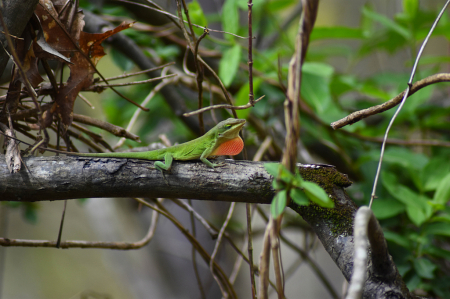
<point x="339" y="220"/>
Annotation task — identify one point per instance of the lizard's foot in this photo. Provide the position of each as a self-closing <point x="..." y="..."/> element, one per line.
<point x="220" y="164"/>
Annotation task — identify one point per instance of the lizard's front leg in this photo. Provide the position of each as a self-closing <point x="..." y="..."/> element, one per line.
<point x="204" y="159"/>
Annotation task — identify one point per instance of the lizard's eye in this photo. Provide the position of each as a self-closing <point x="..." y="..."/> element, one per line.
<point x="227" y="126"/>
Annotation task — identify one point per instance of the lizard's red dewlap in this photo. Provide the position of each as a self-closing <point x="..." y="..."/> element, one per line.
<point x="231" y="148"/>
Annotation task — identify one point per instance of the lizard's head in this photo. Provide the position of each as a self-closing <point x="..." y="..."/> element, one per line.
<point x="229" y="129"/>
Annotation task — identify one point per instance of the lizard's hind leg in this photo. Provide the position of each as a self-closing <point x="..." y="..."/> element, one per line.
<point x="166" y="165"/>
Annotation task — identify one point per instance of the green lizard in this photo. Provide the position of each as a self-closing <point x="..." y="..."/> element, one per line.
<point x="222" y="140"/>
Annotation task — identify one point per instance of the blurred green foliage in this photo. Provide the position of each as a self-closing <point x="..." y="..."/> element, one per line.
<point x="414" y="190"/>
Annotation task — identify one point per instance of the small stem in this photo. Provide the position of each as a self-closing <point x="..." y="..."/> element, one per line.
<point x="250" y="54"/>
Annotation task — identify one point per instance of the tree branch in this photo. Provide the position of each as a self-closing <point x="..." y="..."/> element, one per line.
<point x="68" y="177"/>
<point x="59" y="177"/>
<point x="361" y="114"/>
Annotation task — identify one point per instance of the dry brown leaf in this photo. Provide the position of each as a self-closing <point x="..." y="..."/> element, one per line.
<point x="30" y="66"/>
<point x="81" y="70"/>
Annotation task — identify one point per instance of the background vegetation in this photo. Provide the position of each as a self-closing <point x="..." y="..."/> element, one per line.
<point x="350" y="65"/>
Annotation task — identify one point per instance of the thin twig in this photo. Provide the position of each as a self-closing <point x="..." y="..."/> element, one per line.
<point x="185" y="58"/>
<point x="194" y="255"/>
<point x="183" y="29"/>
<point x="222" y="106"/>
<point x="203" y="253"/>
<point x="61" y="225"/>
<point x="251" y="96"/>
<point x="191" y="29"/>
<point x="95" y="87"/>
<point x="199" y="79"/>
<point x="115" y="130"/>
<point x="412" y="142"/>
<point x="140" y="72"/>
<point x="264" y="261"/>
<point x="211" y="230"/>
<point x="86" y="244"/>
<point x="276" y="254"/>
<point x="262" y="148"/>
<point x="314" y="266"/>
<point x="96" y="137"/>
<point x="216" y="247"/>
<point x="85" y="100"/>
<point x="249" y="245"/>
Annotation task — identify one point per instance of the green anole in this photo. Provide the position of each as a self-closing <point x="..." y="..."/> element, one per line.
<point x="222" y="140"/>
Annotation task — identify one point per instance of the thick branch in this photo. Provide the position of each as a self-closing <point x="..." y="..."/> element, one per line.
<point x="57" y="178"/>
<point x="334" y="228"/>
<point x="67" y="177"/>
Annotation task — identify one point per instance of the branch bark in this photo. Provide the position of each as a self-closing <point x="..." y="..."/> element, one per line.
<point x="68" y="177"/>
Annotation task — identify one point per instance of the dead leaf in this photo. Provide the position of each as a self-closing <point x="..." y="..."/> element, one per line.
<point x="30" y="66"/>
<point x="81" y="70"/>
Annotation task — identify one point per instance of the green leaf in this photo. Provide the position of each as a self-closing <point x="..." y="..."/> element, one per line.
<point x="316" y="194"/>
<point x="277" y="185"/>
<point x="403" y="193"/>
<point x="387" y="208"/>
<point x="406" y="158"/>
<point x="397" y="239"/>
<point x="229" y="64"/>
<point x="30" y="212"/>
<point x="230" y="18"/>
<point x="388" y="23"/>
<point x="197" y="16"/>
<point x="298" y="181"/>
<point x="272" y="168"/>
<point x="403" y="269"/>
<point x="439" y="228"/>
<point x="316" y="79"/>
<point x="299" y="197"/>
<point x="413" y="282"/>
<point x="280" y="172"/>
<point x="278" y="5"/>
<point x="442" y="194"/>
<point x="437" y="252"/>
<point x="121" y="60"/>
<point x="417" y="207"/>
<point x="416" y="215"/>
<point x="336" y="32"/>
<point x="424" y="267"/>
<point x="441" y="217"/>
<point x="285" y="175"/>
<point x="411" y="7"/>
<point x="278" y="203"/>
<point x="242" y="97"/>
